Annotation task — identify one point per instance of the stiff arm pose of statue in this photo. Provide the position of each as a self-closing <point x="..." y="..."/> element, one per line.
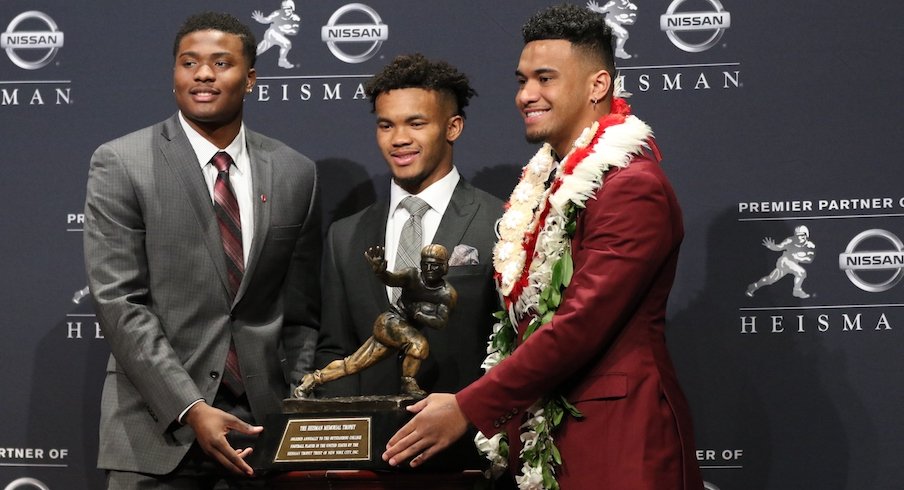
<point x="426" y="301"/>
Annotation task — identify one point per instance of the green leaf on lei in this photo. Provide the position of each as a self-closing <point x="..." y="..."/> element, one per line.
<point x="567" y="268"/>
<point x="556" y="281"/>
<point x="547" y="317"/>
<point x="555" y="298"/>
<point x="555" y="454"/>
<point x="549" y="481"/>
<point x="573" y="410"/>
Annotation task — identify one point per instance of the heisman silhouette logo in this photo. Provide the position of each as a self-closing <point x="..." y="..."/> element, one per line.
<point x="282" y="24"/>
<point x="619" y="13"/>
<point x="796" y="250"/>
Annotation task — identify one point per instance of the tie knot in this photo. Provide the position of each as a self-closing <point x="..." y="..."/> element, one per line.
<point x="221" y="161"/>
<point x="415" y="205"/>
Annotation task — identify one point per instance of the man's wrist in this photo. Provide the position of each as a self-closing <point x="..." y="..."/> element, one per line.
<point x="182" y="415"/>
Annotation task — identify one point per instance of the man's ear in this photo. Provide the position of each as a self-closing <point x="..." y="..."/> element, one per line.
<point x="454" y="126"/>
<point x="601" y="81"/>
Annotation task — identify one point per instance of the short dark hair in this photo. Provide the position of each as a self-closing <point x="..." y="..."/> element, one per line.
<point x="416" y="71"/>
<point x="583" y="28"/>
<point x="223" y="22"/>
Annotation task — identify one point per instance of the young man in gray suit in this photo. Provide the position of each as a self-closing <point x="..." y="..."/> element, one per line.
<point x="419" y="105"/>
<point x="202" y="245"/>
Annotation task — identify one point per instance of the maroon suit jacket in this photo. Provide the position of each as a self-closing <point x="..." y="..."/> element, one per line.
<point x="605" y="349"/>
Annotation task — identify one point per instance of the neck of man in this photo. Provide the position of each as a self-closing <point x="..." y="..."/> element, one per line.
<point x="220" y="135"/>
<point x="593" y="113"/>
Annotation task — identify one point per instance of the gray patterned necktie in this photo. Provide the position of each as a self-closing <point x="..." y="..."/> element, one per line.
<point x="411" y="239"/>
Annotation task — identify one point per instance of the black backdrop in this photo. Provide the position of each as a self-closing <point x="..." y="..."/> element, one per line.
<point x="790" y="118"/>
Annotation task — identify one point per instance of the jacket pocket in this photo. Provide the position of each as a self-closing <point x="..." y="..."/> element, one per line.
<point x="609" y="386"/>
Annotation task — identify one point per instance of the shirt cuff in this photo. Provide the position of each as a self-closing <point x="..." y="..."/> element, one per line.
<point x="181" y="418"/>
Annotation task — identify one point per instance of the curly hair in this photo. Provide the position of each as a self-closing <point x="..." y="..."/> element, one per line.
<point x="223" y="22"/>
<point x="583" y="28"/>
<point x="416" y="71"/>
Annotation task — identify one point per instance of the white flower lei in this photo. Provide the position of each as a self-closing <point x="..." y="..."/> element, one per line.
<point x="616" y="147"/>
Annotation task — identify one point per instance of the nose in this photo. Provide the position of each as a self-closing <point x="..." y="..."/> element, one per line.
<point x="400" y="136"/>
<point x="527" y="94"/>
<point x="204" y="73"/>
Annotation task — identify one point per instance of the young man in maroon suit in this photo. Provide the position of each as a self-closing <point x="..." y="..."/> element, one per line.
<point x="585" y="262"/>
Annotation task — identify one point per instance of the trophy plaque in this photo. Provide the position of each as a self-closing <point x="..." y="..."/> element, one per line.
<point x="347" y="433"/>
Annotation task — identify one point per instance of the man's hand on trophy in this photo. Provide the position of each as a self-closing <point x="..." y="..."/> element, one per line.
<point x="375" y="255"/>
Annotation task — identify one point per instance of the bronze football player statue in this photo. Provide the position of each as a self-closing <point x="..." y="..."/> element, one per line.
<point x="427" y="299"/>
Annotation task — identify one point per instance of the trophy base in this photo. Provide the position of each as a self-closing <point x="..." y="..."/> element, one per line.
<point x="348" y="433"/>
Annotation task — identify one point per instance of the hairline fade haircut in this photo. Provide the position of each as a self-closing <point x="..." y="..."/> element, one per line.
<point x="223" y="22"/>
<point x="416" y="71"/>
<point x="584" y="29"/>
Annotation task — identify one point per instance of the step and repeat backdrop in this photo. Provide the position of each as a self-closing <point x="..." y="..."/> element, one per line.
<point x="779" y="121"/>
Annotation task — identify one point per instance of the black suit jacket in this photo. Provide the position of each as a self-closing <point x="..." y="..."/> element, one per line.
<point x="353" y="297"/>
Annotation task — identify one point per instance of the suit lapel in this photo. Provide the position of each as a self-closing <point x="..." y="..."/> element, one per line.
<point x="262" y="181"/>
<point x="458" y="216"/>
<point x="182" y="160"/>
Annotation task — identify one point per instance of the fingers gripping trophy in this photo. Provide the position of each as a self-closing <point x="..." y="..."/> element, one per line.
<point x="426" y="300"/>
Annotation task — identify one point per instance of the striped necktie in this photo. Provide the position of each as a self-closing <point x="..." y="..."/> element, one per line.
<point x="230" y="222"/>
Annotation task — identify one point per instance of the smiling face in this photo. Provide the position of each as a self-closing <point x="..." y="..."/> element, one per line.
<point x="415" y="132"/>
<point x="555" y="87"/>
<point x="210" y="79"/>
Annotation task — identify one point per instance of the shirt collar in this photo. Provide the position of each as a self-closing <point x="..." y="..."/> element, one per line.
<point x="205" y="150"/>
<point x="437" y="195"/>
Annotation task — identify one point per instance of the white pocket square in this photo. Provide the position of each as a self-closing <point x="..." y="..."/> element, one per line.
<point x="464" y="255"/>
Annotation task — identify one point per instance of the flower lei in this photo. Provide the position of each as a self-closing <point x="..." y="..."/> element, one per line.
<point x="539" y="224"/>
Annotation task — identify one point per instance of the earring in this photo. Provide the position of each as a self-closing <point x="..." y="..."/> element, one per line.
<point x="594" y="102"/>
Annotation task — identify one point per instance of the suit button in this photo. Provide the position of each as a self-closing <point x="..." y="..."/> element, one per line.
<point x="214" y="375"/>
<point x="514" y="411"/>
<point x="496" y="424"/>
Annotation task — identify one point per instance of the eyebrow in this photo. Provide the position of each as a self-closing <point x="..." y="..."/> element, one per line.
<point x="407" y="119"/>
<point x="538" y="71"/>
<point x="194" y="54"/>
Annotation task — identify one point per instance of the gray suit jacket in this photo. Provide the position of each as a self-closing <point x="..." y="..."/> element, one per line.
<point x="157" y="272"/>
<point x="353" y="297"/>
